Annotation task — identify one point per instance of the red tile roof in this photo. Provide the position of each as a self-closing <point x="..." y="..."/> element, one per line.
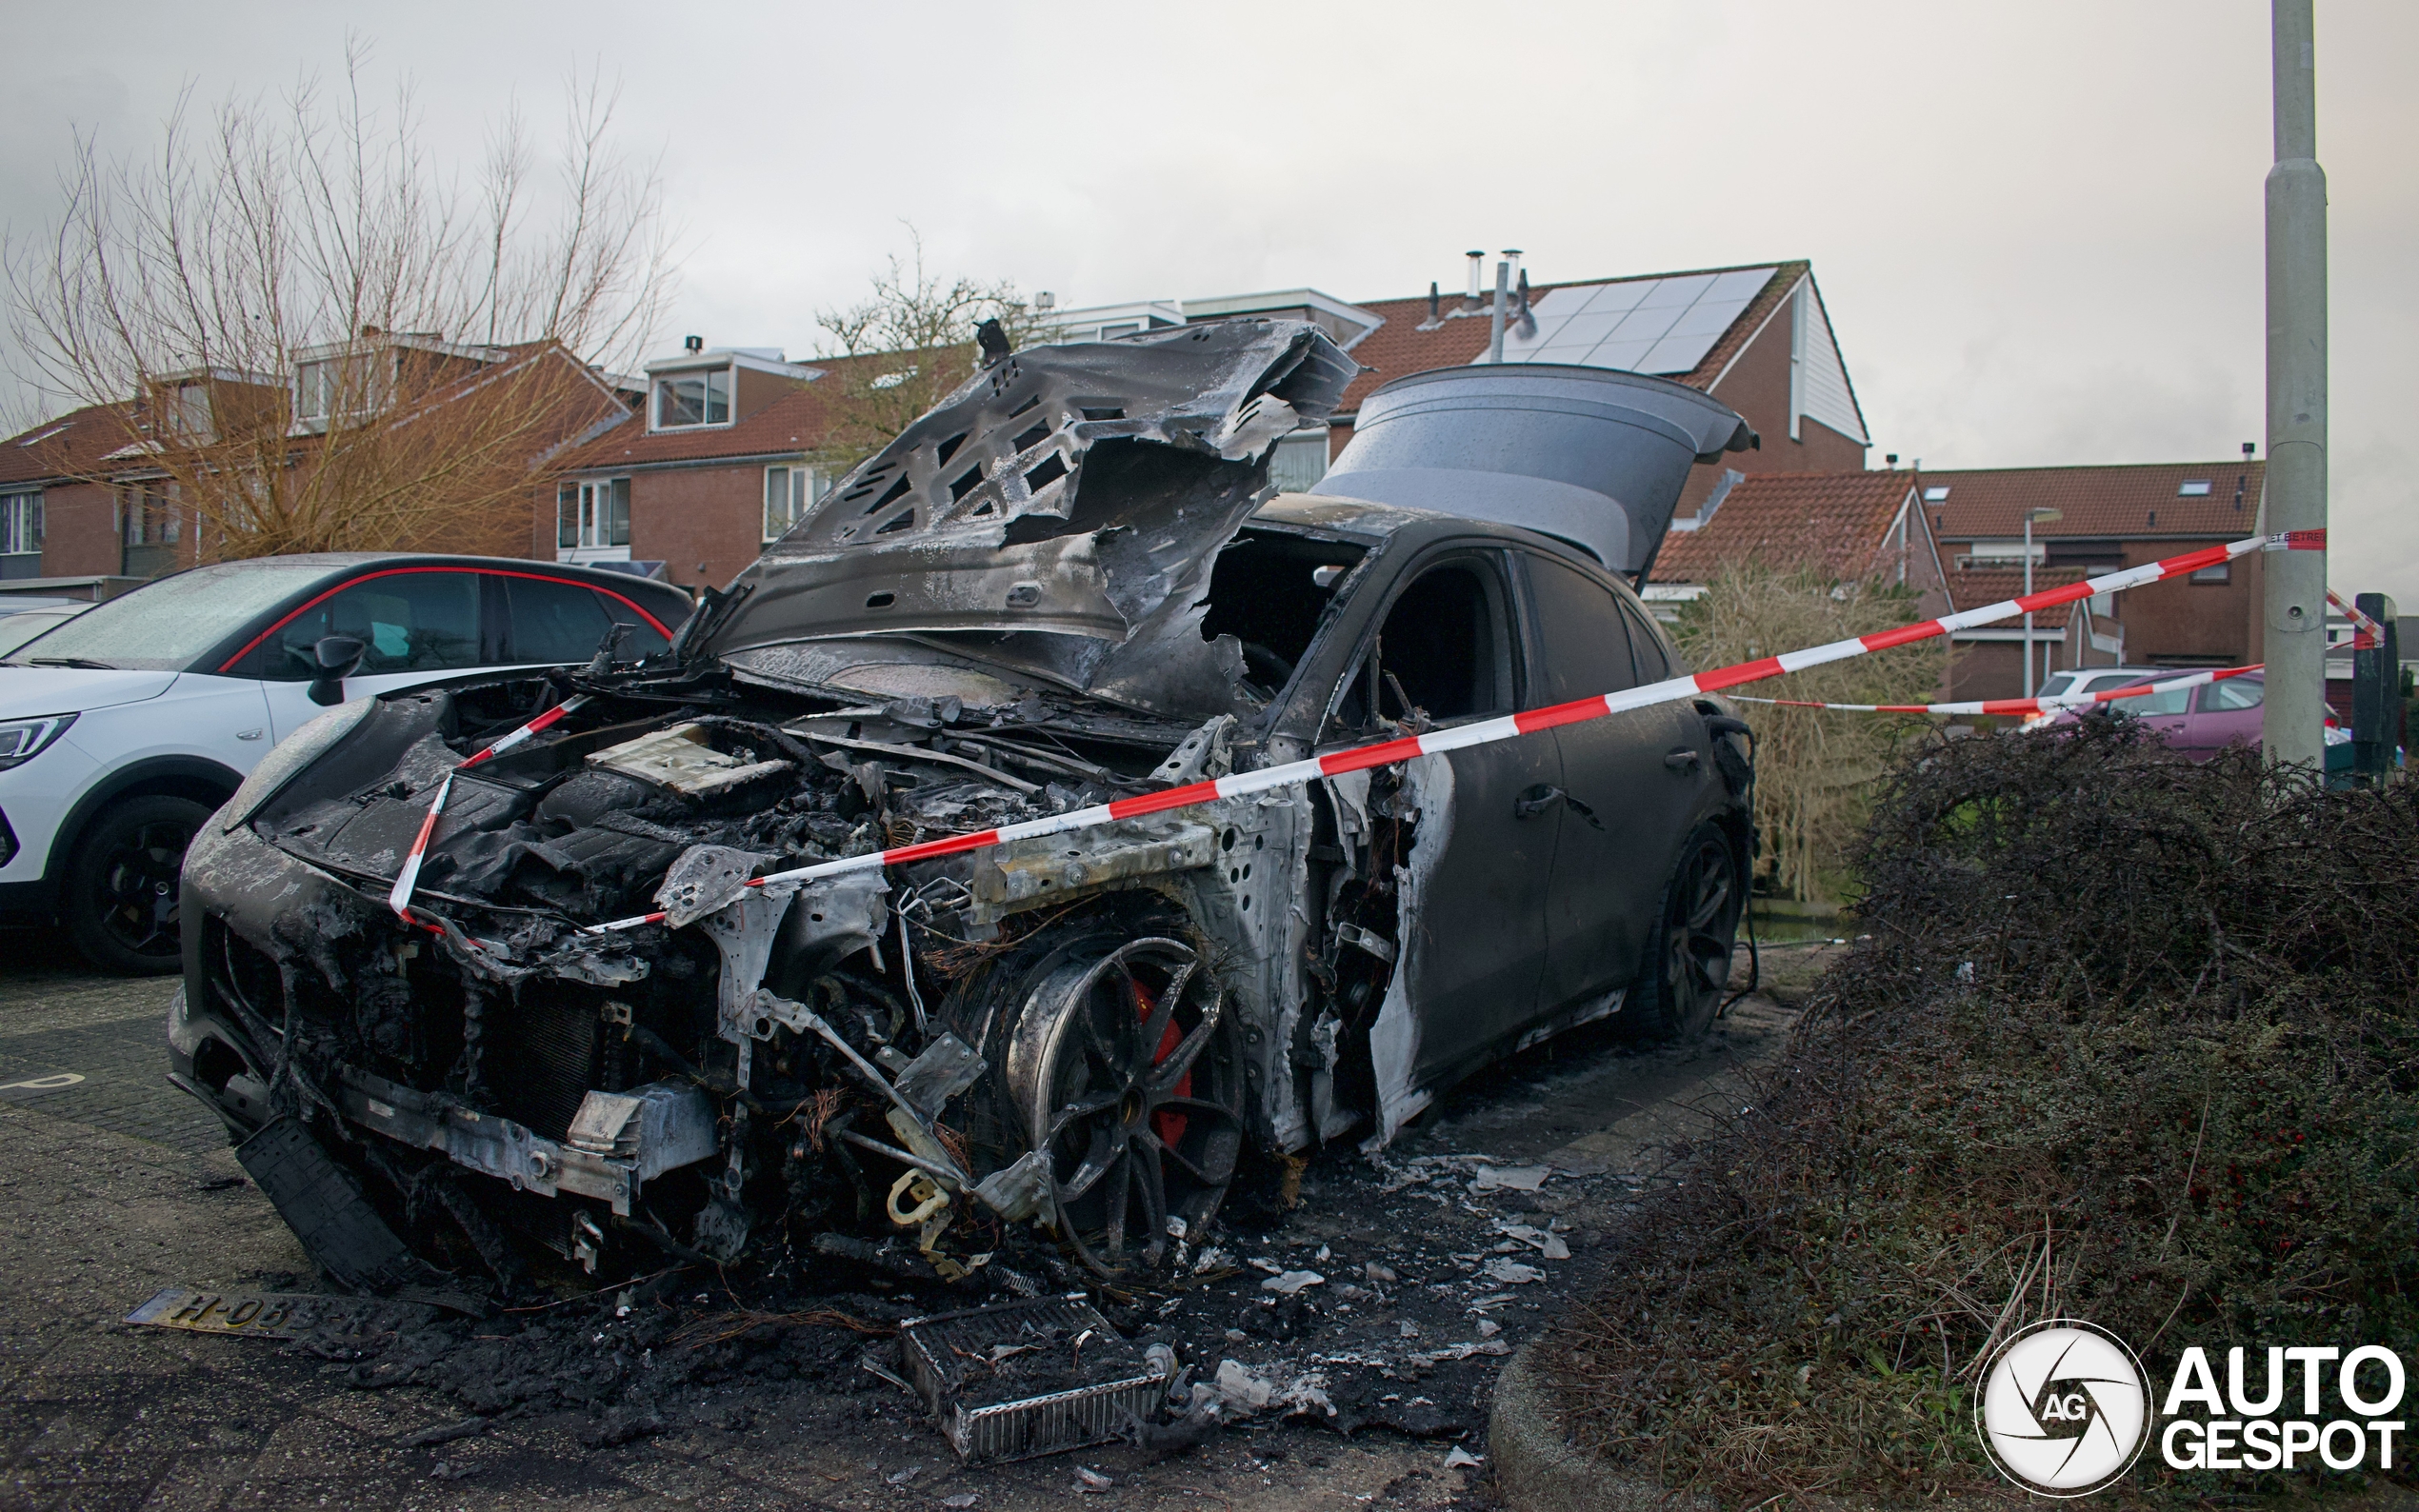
<point x="1836" y="521"/>
<point x="1399" y="347"/>
<point x="70" y="447"/>
<point x="2129" y="500"/>
<point x="1972" y="587"/>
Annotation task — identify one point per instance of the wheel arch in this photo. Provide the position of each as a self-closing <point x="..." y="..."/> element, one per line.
<point x="196" y="778"/>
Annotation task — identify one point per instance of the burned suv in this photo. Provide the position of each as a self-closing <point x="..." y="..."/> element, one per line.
<point x="576" y="961"/>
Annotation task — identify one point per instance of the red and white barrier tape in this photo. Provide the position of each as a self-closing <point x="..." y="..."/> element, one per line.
<point x="1510" y="726"/>
<point x="2045" y="703"/>
<point x="2367" y="634"/>
<point x="399" y="897"/>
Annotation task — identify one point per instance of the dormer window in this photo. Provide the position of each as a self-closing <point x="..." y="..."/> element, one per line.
<point x="332" y="387"/>
<point x="696" y="398"/>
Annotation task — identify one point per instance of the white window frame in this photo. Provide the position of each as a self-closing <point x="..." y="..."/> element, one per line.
<point x="792" y="489"/>
<point x="21" y="522"/>
<point x="658" y="382"/>
<point x="320" y="381"/>
<point x="586" y="506"/>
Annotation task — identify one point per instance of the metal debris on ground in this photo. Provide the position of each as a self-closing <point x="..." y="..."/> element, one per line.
<point x="1023" y="1378"/>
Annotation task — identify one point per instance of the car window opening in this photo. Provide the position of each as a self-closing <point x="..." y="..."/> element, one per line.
<point x="1266" y="592"/>
<point x="1442" y="653"/>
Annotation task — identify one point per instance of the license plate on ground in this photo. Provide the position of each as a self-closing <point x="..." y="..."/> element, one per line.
<point x="271" y="1314"/>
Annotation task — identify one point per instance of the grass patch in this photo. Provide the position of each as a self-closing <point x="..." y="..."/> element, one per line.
<point x="2126" y="1039"/>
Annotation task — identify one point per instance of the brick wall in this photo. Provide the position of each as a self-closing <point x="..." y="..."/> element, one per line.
<point x="79" y="531"/>
<point x="688" y="516"/>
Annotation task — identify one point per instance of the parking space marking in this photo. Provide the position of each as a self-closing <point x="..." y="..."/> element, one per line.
<point x="43" y="1084"/>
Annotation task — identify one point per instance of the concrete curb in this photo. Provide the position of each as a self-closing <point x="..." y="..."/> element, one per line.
<point x="1540" y="1470"/>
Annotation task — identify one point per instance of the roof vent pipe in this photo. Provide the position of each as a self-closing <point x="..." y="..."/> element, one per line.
<point x="1476" y="258"/>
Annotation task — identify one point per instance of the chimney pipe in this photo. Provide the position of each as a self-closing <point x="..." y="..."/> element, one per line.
<point x="692" y="344"/>
<point x="1475" y="259"/>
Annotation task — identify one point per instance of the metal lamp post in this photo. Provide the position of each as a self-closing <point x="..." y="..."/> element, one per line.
<point x="2294" y="611"/>
<point x="2044" y="517"/>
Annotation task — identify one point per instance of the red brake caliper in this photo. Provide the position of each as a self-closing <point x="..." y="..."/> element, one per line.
<point x="1170" y="1126"/>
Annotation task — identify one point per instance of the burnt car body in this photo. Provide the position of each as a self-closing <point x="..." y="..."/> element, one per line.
<point x="1069" y="583"/>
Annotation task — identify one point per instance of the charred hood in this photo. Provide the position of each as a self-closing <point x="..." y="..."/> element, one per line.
<point x="1063" y="505"/>
<point x="1592" y="456"/>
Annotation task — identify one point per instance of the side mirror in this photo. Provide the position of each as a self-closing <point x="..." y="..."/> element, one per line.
<point x="337" y="656"/>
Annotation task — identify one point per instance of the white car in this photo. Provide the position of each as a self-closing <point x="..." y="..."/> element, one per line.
<point x="122" y="729"/>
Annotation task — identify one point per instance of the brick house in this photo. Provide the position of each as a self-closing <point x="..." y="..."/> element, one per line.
<point x="711" y="463"/>
<point x="2112" y="517"/>
<point x="88" y="505"/>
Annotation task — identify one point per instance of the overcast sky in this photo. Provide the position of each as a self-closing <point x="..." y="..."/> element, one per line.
<point x="2036" y="224"/>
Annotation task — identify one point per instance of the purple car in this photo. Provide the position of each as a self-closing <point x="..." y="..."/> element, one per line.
<point x="2198" y="721"/>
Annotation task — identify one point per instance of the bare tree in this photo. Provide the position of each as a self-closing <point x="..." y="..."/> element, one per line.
<point x="899" y="353"/>
<point x="313" y="340"/>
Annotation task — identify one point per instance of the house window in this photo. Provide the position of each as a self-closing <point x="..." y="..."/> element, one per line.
<point x="693" y="399"/>
<point x="149" y="527"/>
<point x="2222" y="573"/>
<point x="1299" y="462"/>
<point x="21" y="523"/>
<point x="790" y="493"/>
<point x="590" y="513"/>
<point x="332" y="387"/>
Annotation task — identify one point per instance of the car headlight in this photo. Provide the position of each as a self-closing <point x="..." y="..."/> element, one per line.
<point x="21" y="740"/>
<point x="290" y="756"/>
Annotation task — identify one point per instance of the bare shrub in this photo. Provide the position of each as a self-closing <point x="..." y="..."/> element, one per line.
<point x="1815" y="770"/>
<point x="2131" y="1040"/>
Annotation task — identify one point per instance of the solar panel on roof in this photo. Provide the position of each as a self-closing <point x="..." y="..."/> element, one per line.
<point x="1637" y="324"/>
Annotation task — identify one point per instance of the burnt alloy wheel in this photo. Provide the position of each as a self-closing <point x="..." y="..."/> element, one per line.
<point x="1687" y="962"/>
<point x="120" y="900"/>
<point x="1124" y="1063"/>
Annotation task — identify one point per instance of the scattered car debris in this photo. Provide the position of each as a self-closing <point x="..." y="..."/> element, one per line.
<point x="1458" y="1458"/>
<point x="1021" y="1379"/>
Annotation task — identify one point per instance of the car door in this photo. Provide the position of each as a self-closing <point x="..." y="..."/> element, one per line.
<point x="1478" y="872"/>
<point x="2224" y="714"/>
<point x="1632" y="783"/>
<point x="416" y="624"/>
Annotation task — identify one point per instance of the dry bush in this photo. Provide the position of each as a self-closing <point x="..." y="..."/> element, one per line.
<point x="183" y="292"/>
<point x="2132" y="1040"/>
<point x="1815" y="770"/>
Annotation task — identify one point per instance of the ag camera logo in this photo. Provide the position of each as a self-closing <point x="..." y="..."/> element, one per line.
<point x="2065" y="1409"/>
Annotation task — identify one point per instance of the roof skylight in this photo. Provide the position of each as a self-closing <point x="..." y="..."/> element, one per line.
<point x="2196" y="488"/>
<point x="1935" y="495"/>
